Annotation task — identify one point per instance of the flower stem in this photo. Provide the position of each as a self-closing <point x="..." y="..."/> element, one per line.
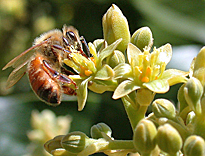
<point x="121" y="144"/>
<point x="134" y="115"/>
<point x="199" y="126"/>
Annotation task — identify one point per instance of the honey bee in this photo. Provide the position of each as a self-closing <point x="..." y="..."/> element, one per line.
<point x="43" y="62"/>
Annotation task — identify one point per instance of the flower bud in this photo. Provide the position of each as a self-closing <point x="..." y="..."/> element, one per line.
<point x="115" y="26"/>
<point x="144" y="138"/>
<point x="190" y="117"/>
<point x="99" y="44"/>
<point x="184" y="108"/>
<point x="116" y="59"/>
<point x="98" y="130"/>
<point x="144" y="97"/>
<point x="53" y="144"/>
<point x="168" y="139"/>
<point x="181" y="98"/>
<point x="193" y="91"/>
<point x="142" y="38"/>
<point x="162" y="121"/>
<point x="75" y="142"/>
<point x="194" y="145"/>
<point x="199" y="66"/>
<point x="163" y="108"/>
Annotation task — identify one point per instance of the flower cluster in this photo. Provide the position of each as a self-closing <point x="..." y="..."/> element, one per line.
<point x="45" y="126"/>
<point x="107" y="69"/>
<point x="135" y="71"/>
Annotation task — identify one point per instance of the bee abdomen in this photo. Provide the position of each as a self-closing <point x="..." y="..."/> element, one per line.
<point x="41" y="82"/>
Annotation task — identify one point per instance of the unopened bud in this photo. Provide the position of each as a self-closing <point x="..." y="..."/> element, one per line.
<point x="193" y="91"/>
<point x="168" y="139"/>
<point x="163" y="108"/>
<point x="144" y="138"/>
<point x="194" y="145"/>
<point x="75" y="142"/>
<point x="98" y="130"/>
<point x="142" y="38"/>
<point x="53" y="144"/>
<point x="115" y="26"/>
<point x="116" y="58"/>
<point x="181" y="98"/>
<point x="190" y="117"/>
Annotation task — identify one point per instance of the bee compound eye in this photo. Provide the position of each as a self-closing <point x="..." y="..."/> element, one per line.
<point x="71" y="35"/>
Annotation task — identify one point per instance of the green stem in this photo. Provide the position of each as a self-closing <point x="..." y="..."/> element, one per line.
<point x="199" y="126"/>
<point x="134" y="115"/>
<point x="121" y="144"/>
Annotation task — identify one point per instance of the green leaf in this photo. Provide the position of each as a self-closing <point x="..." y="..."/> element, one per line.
<point x="124" y="88"/>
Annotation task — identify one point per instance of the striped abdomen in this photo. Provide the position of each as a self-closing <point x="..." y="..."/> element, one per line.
<point x="42" y="83"/>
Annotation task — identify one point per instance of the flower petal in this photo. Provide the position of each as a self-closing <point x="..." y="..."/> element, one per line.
<point x="71" y="64"/>
<point x="101" y="88"/>
<point x="108" y="51"/>
<point x="132" y="54"/>
<point x="100" y="44"/>
<point x="105" y="73"/>
<point x="122" y="70"/>
<point x="124" y="88"/>
<point x="157" y="86"/>
<point x="82" y="92"/>
<point x="93" y="50"/>
<point x="165" y="54"/>
<point x="174" y="76"/>
<point x="199" y="66"/>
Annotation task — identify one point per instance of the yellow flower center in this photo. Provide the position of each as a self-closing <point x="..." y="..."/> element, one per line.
<point x="145" y="77"/>
<point x="84" y="69"/>
<point x="149" y="68"/>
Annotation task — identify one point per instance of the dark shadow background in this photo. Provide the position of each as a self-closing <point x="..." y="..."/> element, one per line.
<point x="175" y="21"/>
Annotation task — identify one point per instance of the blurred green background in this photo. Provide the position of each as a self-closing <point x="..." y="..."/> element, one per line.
<point x="178" y="22"/>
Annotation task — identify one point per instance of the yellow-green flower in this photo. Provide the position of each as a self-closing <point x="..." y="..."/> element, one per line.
<point x="45" y="126"/>
<point x="93" y="70"/>
<point x="198" y="66"/>
<point x="147" y="70"/>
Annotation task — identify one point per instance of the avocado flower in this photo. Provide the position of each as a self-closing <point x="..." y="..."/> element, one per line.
<point x="147" y="71"/>
<point x="93" y="72"/>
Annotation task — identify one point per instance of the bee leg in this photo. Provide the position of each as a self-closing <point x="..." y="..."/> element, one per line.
<point x="66" y="42"/>
<point x="64" y="79"/>
<point x="83" y="41"/>
<point x="69" y="91"/>
<point x="66" y="54"/>
<point x="60" y="48"/>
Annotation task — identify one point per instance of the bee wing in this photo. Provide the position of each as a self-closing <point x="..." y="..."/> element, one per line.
<point x="23" y="57"/>
<point x="16" y="75"/>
